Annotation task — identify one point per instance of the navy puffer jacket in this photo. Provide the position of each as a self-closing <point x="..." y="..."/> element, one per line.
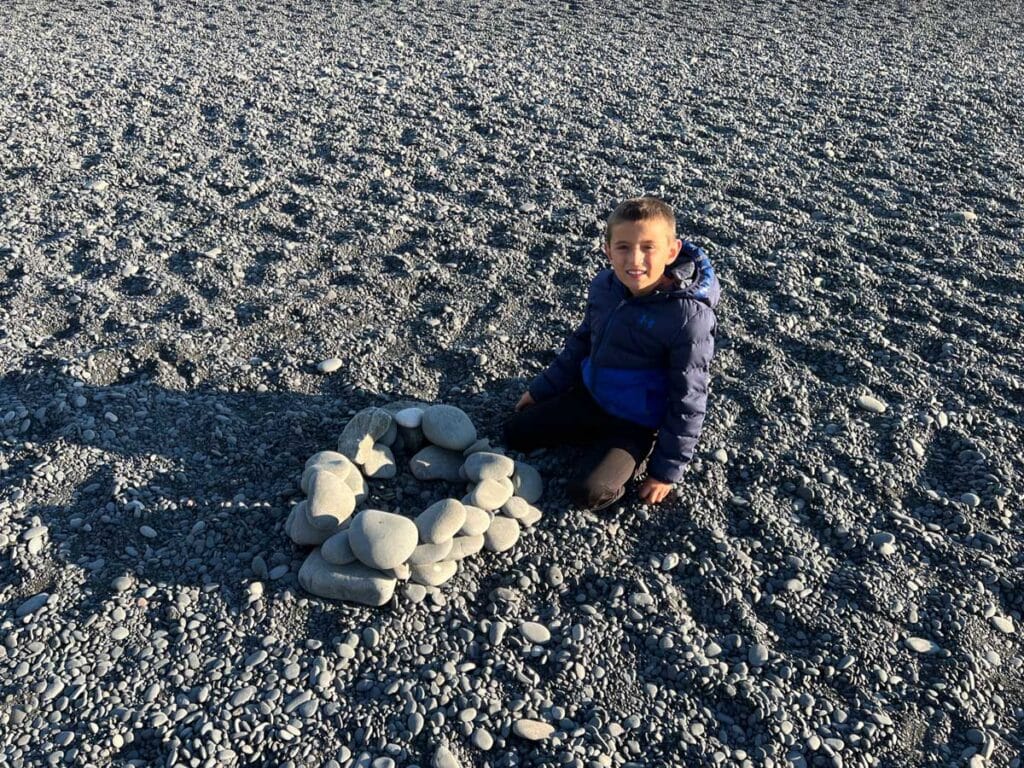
<point x="646" y="358"/>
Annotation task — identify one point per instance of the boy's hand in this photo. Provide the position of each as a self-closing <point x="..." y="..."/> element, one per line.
<point x="525" y="401"/>
<point x="654" y="491"/>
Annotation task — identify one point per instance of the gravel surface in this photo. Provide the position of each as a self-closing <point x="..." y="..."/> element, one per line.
<point x="225" y="228"/>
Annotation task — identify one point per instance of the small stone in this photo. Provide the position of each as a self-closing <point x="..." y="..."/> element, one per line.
<point x="147" y="532"/>
<point x="424" y="554"/>
<point x="337" y="550"/>
<point x="872" y="404"/>
<point x="440" y="521"/>
<point x="970" y="499"/>
<point x="326" y="461"/>
<point x="721" y="456"/>
<point x="435" y="463"/>
<point x="330" y="365"/>
<point x="757" y="655"/>
<point x="517" y="508"/>
<point x="481" y="739"/>
<point x="490" y="494"/>
<point x="414" y="593"/>
<point x="301" y="531"/>
<point x="354" y="582"/>
<point x="32" y="605"/>
<point x="121" y="584"/>
<point x="410" y="418"/>
<point x="916" y="447"/>
<point x="443" y="758"/>
<point x="97" y="185"/>
<point x="382" y="539"/>
<point x="477" y="521"/>
<point x="966" y="216"/>
<point x="448" y="427"/>
<point x="532" y="730"/>
<point x="502" y="534"/>
<point x="922" y="645"/>
<point x="535" y="632"/>
<point x="331" y="501"/>
<point x="527" y="482"/>
<point x="488" y="466"/>
<point x="464" y="546"/>
<point x="1003" y="623"/>
<point x="362" y="431"/>
<point x="433" y="574"/>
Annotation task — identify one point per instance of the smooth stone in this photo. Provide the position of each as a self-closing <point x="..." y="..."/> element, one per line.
<point x="379" y="462"/>
<point x="382" y="539"/>
<point x="502" y="534"/>
<point x="357" y="483"/>
<point x="480" y="444"/>
<point x="402" y="571"/>
<point x="301" y="531"/>
<point x="424" y="554"/>
<point x="433" y="574"/>
<point x="482" y="739"/>
<point x="916" y="447"/>
<point x="535" y="632"/>
<point x="330" y="365"/>
<point x="448" y="427"/>
<point x="465" y="546"/>
<point x="757" y="655"/>
<point x="532" y="730"/>
<point x="32" y="605"/>
<point x="331" y="501"/>
<point x="121" y="583"/>
<point x="416" y="593"/>
<point x="721" y="456"/>
<point x="411" y="418"/>
<point x="354" y="582"/>
<point x="531" y="518"/>
<point x="922" y="645"/>
<point x="326" y="461"/>
<point x="527" y="482"/>
<point x="491" y="494"/>
<point x="517" y="508"/>
<point x="970" y="499"/>
<point x="336" y="550"/>
<point x="362" y="431"/>
<point x="443" y="758"/>
<point x="1003" y="623"/>
<point x="435" y="463"/>
<point x="477" y="521"/>
<point x="148" y="532"/>
<point x="872" y="404"/>
<point x="488" y="466"/>
<point x="440" y="521"/>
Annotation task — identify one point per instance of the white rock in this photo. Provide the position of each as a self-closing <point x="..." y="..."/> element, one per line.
<point x="379" y="462"/>
<point x="516" y="507"/>
<point x="477" y="521"/>
<point x="502" y="534"/>
<point x="424" y="554"/>
<point x="357" y="483"/>
<point x="433" y="574"/>
<point x="354" y="582"/>
<point x="535" y="632"/>
<point x="330" y="365"/>
<point x="491" y="494"/>
<point x="336" y="550"/>
<point x="872" y="404"/>
<point x="301" y="531"/>
<point x="382" y="539"/>
<point x="532" y="730"/>
<point x="531" y="518"/>
<point x="465" y="546"/>
<point x="362" y="431"/>
<point x="1003" y="623"/>
<point x="527" y="482"/>
<point x="331" y="501"/>
<point x="409" y="417"/>
<point x="440" y="521"/>
<point x="922" y="645"/>
<point x="434" y="463"/>
<point x="326" y="461"/>
<point x="488" y="466"/>
<point x="402" y="571"/>
<point x="443" y="758"/>
<point x="448" y="427"/>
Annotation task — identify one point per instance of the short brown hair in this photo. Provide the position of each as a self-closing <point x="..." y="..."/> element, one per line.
<point x="640" y="209"/>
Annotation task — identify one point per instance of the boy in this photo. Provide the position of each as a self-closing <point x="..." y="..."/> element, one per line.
<point x="635" y="373"/>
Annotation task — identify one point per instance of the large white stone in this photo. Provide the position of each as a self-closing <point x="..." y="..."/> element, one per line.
<point x="448" y="427"/>
<point x="434" y="463"/>
<point x="502" y="534"/>
<point x="336" y="550"/>
<point x="488" y="466"/>
<point x="362" y="431"/>
<point x="477" y="521"/>
<point x="440" y="521"/>
<point x="301" y="531"/>
<point x="382" y="539"/>
<point x="464" y="546"/>
<point x="379" y="462"/>
<point x="527" y="482"/>
<point x="354" y="582"/>
<point x="424" y="554"/>
<point x="433" y="574"/>
<point x="490" y="494"/>
<point x="331" y="501"/>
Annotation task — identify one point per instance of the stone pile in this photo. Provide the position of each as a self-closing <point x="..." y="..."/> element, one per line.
<point x="361" y="556"/>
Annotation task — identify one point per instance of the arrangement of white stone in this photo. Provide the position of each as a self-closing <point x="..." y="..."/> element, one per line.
<point x="361" y="556"/>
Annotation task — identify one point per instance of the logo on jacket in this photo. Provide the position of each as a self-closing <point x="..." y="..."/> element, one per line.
<point x="645" y="321"/>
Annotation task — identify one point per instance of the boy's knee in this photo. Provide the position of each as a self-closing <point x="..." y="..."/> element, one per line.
<point x="592" y="494"/>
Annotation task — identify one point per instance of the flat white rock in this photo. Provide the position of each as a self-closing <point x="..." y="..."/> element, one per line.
<point x="488" y="466"/>
<point x="532" y="730"/>
<point x="490" y="494"/>
<point x="330" y="365"/>
<point x="448" y="427"/>
<point x="502" y="534"/>
<point x="382" y="539"/>
<point x="872" y="404"/>
<point x="354" y="582"/>
<point x="441" y="520"/>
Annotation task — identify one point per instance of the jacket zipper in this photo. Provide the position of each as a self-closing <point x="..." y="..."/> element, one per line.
<point x="601" y="342"/>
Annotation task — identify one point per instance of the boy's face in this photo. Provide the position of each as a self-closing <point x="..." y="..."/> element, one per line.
<point x="639" y="251"/>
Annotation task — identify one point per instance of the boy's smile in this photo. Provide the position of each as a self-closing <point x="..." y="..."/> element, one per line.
<point x="640" y="251"/>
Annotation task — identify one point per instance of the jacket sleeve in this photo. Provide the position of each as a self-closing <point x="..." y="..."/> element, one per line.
<point x="689" y="359"/>
<point x="564" y="370"/>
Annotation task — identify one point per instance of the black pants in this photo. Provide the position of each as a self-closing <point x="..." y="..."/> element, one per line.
<point x="614" y="447"/>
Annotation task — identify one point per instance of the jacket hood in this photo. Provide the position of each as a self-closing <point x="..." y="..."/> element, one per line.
<point x="693" y="275"/>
